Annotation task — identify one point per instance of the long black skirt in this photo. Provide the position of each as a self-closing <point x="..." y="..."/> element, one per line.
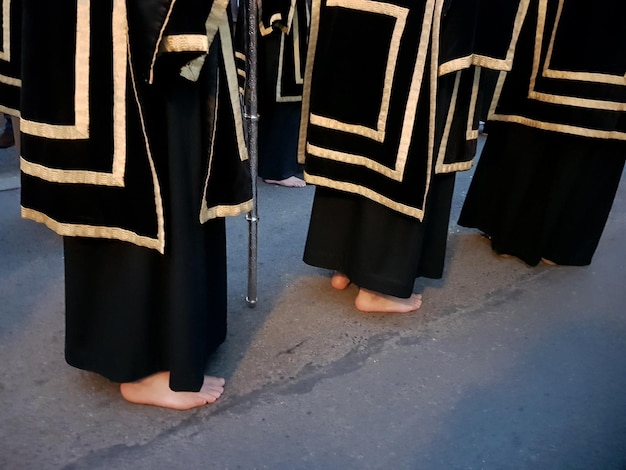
<point x="378" y="248"/>
<point x="132" y="312"/>
<point x="278" y="141"/>
<point x="539" y="195"/>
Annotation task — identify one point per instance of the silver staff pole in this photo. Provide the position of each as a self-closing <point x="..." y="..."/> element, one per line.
<point x="252" y="119"/>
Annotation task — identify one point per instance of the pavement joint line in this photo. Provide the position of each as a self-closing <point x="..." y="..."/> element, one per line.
<point x="8" y="183"/>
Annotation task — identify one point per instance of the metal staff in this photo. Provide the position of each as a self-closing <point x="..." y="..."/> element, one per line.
<point x="252" y="118"/>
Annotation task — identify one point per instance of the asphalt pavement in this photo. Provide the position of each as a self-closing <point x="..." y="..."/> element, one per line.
<point x="504" y="366"/>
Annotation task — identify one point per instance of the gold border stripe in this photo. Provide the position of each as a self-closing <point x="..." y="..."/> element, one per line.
<point x="366" y="192"/>
<point x="10" y="81"/>
<point x="295" y="38"/>
<point x="582" y="76"/>
<point x="228" y="210"/>
<point x="80" y="129"/>
<point x="472" y="133"/>
<point x="400" y="14"/>
<point x="352" y="159"/>
<point x="91" y="231"/>
<point x="158" y="43"/>
<point x="446" y="131"/>
<point x="158" y="199"/>
<point x="560" y="99"/>
<point x="184" y="43"/>
<point x="555" y="127"/>
<point x="232" y="82"/>
<point x="491" y="62"/>
<point x="116" y="176"/>
<point x="5" y="53"/>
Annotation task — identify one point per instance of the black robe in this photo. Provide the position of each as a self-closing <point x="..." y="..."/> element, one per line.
<point x="133" y="149"/>
<point x="553" y="159"/>
<point x="390" y="114"/>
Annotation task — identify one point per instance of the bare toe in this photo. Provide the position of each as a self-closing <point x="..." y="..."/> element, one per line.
<point x="340" y="281"/>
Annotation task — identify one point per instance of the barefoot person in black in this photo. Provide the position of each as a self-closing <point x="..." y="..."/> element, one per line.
<point x="282" y="44"/>
<point x="389" y="116"/>
<point x="554" y="156"/>
<point x="136" y="161"/>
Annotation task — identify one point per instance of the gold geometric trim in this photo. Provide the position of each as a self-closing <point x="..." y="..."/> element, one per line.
<point x="328" y="123"/>
<point x="410" y="110"/>
<point x="306" y="87"/>
<point x="353" y="160"/>
<point x="400" y="14"/>
<point x="455" y="167"/>
<point x="279" y="98"/>
<point x="297" y="60"/>
<point x="472" y="133"/>
<point x="5" y="52"/>
<point x="559" y="74"/>
<point x="55" y="175"/>
<point x="366" y="192"/>
<point x="158" y="43"/>
<point x="265" y="31"/>
<point x="474" y="59"/>
<point x="290" y="15"/>
<point x="577" y="102"/>
<point x="274" y="18"/>
<point x="446" y="132"/>
<point x="230" y="69"/>
<point x="10" y="81"/>
<point x="431" y="25"/>
<point x="295" y="37"/>
<point x="217" y="21"/>
<point x="585" y="76"/>
<point x="430" y="30"/>
<point x="80" y="129"/>
<point x="184" y="43"/>
<point x="491" y="62"/>
<point x="435" y="29"/>
<point x="121" y="54"/>
<point x="92" y="231"/>
<point x="10" y="111"/>
<point x="228" y="210"/>
<point x="582" y="76"/>
<point x="563" y="128"/>
<point x="205" y="211"/>
<point x="158" y="198"/>
<point x="496" y="94"/>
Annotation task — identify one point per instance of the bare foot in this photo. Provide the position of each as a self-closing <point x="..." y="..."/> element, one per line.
<point x="155" y="390"/>
<point x="370" y="301"/>
<point x="291" y="182"/>
<point x="548" y="262"/>
<point x="340" y="281"/>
